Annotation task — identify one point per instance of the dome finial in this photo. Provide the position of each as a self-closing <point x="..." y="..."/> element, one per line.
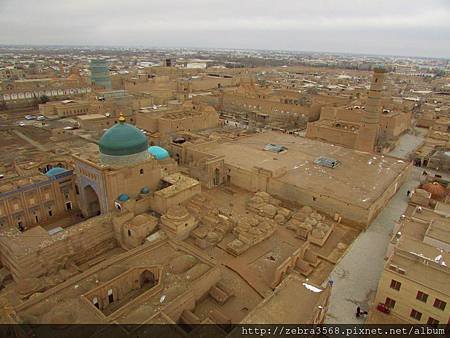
<point x="121" y="118"/>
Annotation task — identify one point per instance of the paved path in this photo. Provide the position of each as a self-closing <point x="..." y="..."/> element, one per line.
<point x="406" y="145"/>
<point x="356" y="276"/>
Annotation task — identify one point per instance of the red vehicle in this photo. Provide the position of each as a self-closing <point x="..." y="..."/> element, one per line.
<point x="383" y="308"/>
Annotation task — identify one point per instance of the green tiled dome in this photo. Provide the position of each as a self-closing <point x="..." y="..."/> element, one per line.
<point x="123" y="139"/>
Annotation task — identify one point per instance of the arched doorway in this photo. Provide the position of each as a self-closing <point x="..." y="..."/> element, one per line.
<point x="147" y="279"/>
<point x="91" y="201"/>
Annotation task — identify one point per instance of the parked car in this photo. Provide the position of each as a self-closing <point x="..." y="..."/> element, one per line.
<point x="21" y="124"/>
<point x="40" y="118"/>
<point x="30" y="117"/>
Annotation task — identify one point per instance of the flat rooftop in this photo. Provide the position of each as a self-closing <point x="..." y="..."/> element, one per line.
<point x="360" y="179"/>
<point x="423" y="263"/>
<point x="37" y="238"/>
<point x="437" y="223"/>
<point x="278" y="307"/>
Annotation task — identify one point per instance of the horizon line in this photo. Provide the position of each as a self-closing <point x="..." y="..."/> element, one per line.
<point x="219" y="48"/>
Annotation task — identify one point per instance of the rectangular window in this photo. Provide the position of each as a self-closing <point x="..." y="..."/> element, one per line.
<point x="390" y="303"/>
<point x="415" y="314"/>
<point x="395" y="285"/>
<point x="440" y="304"/>
<point x="432" y="321"/>
<point x="421" y="296"/>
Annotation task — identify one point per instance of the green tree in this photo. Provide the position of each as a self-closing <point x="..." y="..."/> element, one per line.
<point x="44" y="99"/>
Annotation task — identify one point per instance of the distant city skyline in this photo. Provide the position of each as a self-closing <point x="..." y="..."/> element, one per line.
<point x="400" y="27"/>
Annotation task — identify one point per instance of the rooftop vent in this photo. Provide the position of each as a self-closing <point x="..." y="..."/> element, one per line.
<point x="275" y="148"/>
<point x="327" y="162"/>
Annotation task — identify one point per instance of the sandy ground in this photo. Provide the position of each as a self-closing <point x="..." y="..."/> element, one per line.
<point x="356" y="276"/>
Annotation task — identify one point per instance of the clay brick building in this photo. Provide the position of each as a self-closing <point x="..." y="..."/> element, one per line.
<point x="413" y="284"/>
<point x="370" y="128"/>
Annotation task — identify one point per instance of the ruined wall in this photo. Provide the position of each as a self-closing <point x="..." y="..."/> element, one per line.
<point x="199" y="288"/>
<point x="48" y="254"/>
<point x="122" y="285"/>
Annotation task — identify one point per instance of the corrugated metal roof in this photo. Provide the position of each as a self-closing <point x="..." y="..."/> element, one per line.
<point x="327" y="162"/>
<point x="275" y="148"/>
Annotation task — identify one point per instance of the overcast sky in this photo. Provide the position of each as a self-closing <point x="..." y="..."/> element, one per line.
<point x="398" y="27"/>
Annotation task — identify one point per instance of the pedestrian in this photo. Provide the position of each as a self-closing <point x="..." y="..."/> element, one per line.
<point x="358" y="312"/>
<point x="408" y="193"/>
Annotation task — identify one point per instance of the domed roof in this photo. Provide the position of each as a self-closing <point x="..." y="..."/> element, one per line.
<point x="123" y="197"/>
<point x="145" y="190"/>
<point x="436" y="190"/>
<point x="55" y="171"/>
<point x="158" y="152"/>
<point x="182" y="263"/>
<point x="123" y="139"/>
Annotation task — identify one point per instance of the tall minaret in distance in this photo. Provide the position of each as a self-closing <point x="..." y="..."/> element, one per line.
<point x="370" y="121"/>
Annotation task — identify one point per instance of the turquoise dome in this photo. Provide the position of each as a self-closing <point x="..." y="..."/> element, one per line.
<point x="55" y="171"/>
<point x="123" y="198"/>
<point x="145" y="190"/>
<point x="123" y="139"/>
<point x="158" y="152"/>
